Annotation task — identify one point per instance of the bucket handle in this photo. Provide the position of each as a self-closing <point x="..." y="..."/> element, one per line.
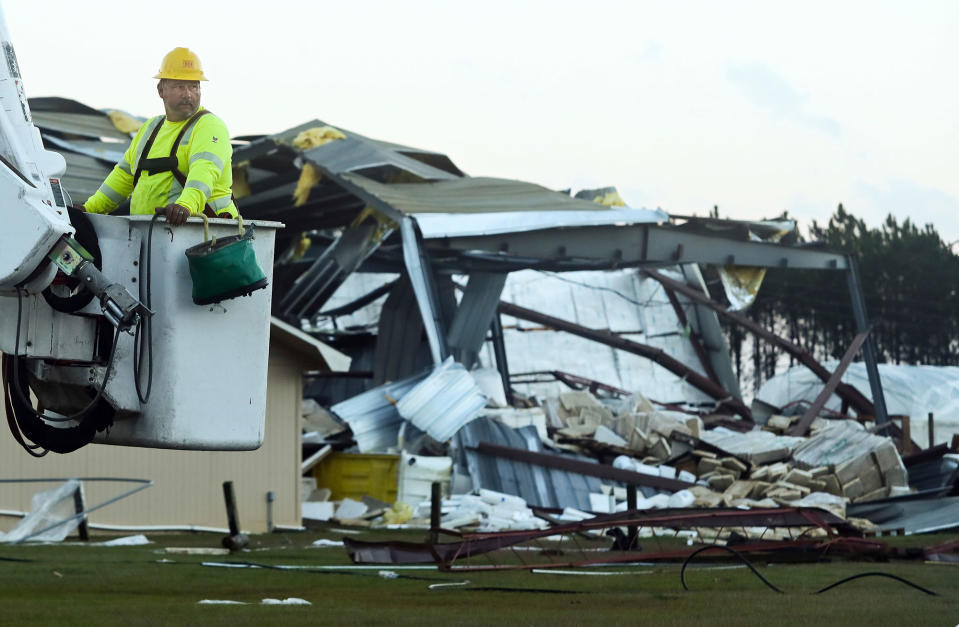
<point x="206" y="229"/>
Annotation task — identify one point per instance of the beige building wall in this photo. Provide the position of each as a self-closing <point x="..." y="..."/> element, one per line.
<point x="187" y="485"/>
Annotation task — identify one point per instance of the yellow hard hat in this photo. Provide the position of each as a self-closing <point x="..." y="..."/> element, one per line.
<point x="182" y="65"/>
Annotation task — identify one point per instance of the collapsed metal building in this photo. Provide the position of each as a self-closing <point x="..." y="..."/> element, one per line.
<point x="444" y="246"/>
<point x="354" y="204"/>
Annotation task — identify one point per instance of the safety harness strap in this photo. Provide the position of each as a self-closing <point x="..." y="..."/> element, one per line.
<point x="157" y="165"/>
<point x="146" y="151"/>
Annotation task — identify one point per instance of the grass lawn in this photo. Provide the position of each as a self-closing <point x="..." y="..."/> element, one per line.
<point x="70" y="584"/>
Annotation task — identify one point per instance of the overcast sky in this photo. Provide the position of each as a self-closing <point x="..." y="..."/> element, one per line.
<point x="758" y="107"/>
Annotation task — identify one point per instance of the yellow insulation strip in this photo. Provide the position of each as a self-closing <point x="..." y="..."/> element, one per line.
<point x="124" y="122"/>
<point x="241" y="182"/>
<point x="741" y="284"/>
<point x="317" y="136"/>
<point x="309" y="176"/>
<point x="611" y="199"/>
<point x="398" y="514"/>
<point x="302" y="246"/>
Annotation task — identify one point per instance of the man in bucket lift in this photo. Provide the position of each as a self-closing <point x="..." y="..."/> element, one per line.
<point x="178" y="163"/>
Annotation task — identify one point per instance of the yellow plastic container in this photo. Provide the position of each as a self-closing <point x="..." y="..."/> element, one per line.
<point x="355" y="475"/>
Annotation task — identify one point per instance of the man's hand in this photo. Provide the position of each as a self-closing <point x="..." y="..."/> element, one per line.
<point x="175" y="214"/>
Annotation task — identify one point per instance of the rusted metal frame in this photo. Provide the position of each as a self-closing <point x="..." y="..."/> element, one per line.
<point x="763" y="547"/>
<point x="593" y="385"/>
<point x="483" y="544"/>
<point x="678" y="518"/>
<point x="801" y="427"/>
<point x="702" y="383"/>
<point x="693" y="337"/>
<point x="845" y="391"/>
<point x="590" y="469"/>
<point x="571" y="380"/>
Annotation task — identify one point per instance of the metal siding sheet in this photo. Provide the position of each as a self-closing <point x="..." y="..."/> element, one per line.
<point x="84" y="175"/>
<point x="471" y="195"/>
<point x="353" y="153"/>
<point x="92" y="126"/>
<point x="546" y="487"/>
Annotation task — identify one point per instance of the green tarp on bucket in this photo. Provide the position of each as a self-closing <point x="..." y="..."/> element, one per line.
<point x="224" y="268"/>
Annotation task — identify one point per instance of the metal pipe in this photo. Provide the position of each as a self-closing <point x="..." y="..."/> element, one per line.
<point x="269" y="511"/>
<point x="632" y="531"/>
<point x="436" y="502"/>
<point x="499" y="351"/>
<point x="230" y="498"/>
<point x="79" y="508"/>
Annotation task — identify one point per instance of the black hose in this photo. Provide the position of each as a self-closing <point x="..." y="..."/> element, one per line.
<point x="18" y="389"/>
<point x="682" y="573"/>
<point x="876" y="574"/>
<point x="96" y="416"/>
<point x="143" y="337"/>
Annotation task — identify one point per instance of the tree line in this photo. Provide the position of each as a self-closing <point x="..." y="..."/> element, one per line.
<point x="910" y="281"/>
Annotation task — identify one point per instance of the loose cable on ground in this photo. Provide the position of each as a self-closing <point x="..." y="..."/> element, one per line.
<point x="682" y="573"/>
<point x="876" y="574"/>
<point x="765" y="581"/>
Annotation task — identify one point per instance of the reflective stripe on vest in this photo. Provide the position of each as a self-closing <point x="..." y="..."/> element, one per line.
<point x="209" y="156"/>
<point x="220" y="204"/>
<point x="110" y="193"/>
<point x="201" y="186"/>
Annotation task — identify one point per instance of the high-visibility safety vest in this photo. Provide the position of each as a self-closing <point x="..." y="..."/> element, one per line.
<point x="204" y="155"/>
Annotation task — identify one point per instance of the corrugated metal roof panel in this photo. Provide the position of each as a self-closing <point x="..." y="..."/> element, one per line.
<point x="445" y="225"/>
<point x="372" y="416"/>
<point x="110" y="152"/>
<point x="926" y="515"/>
<point x="471" y="195"/>
<point x="360" y="153"/>
<point x="85" y="125"/>
<point x="545" y="487"/>
<point x="443" y="402"/>
<point x="84" y="175"/>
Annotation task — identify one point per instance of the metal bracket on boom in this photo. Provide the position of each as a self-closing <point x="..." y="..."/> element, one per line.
<point x="118" y="305"/>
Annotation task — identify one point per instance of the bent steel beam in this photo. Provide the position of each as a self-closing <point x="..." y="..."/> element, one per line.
<point x="716" y="391"/>
<point x="590" y="469"/>
<point x="844" y="390"/>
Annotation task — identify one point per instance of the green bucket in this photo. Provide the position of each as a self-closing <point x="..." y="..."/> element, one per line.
<point x="224" y="268"/>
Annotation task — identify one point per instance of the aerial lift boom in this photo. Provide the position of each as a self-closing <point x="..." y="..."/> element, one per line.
<point x="181" y="376"/>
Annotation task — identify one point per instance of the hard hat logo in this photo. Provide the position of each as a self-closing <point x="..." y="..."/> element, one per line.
<point x="181" y="64"/>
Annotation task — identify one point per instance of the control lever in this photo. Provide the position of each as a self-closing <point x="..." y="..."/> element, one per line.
<point x="120" y="307"/>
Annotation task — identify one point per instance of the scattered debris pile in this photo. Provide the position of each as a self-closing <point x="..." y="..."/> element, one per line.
<point x="574" y="457"/>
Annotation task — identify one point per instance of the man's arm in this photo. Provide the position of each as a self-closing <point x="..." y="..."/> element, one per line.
<point x="210" y="154"/>
<point x="119" y="183"/>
